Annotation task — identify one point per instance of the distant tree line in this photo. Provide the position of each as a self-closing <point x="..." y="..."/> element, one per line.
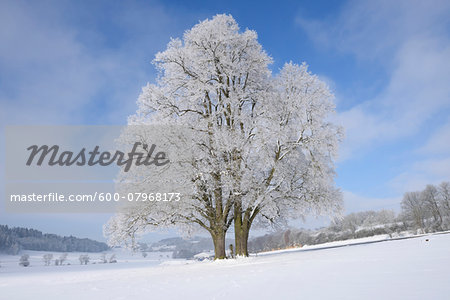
<point x="421" y="212"/>
<point x="427" y="210"/>
<point x="14" y="239"/>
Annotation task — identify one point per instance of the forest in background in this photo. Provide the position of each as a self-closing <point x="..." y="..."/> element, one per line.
<point x="15" y="239"/>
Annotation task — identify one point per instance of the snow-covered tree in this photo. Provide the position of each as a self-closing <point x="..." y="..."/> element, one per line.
<point x="444" y="198"/>
<point x="430" y="197"/>
<point x="62" y="258"/>
<point x="413" y="208"/>
<point x="263" y="146"/>
<point x="112" y="259"/>
<point x="24" y="260"/>
<point x="47" y="259"/>
<point x="103" y="259"/>
<point x="84" y="259"/>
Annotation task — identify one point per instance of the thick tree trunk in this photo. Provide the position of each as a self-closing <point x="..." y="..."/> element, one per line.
<point x="241" y="231"/>
<point x="219" y="245"/>
<point x="241" y="238"/>
<point x="237" y="228"/>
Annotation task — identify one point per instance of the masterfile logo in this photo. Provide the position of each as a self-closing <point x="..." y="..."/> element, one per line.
<point x="94" y="157"/>
<point x="82" y="168"/>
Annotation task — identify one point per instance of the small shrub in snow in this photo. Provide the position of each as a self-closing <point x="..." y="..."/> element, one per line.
<point x="24" y="260"/>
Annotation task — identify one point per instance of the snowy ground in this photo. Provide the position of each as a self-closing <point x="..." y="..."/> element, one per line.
<point x="9" y="264"/>
<point x="401" y="269"/>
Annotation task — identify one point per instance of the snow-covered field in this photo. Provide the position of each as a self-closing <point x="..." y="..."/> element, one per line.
<point x="402" y="269"/>
<point x="9" y="264"/>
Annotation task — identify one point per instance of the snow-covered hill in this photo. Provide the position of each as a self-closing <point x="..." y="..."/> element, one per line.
<point x="415" y="268"/>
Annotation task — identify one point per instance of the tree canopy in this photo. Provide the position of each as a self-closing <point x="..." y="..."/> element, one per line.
<point x="263" y="146"/>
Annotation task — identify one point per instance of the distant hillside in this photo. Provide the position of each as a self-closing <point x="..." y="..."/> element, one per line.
<point x="182" y="248"/>
<point x="14" y="239"/>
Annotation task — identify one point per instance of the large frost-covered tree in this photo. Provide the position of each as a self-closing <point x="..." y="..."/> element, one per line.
<point x="263" y="146"/>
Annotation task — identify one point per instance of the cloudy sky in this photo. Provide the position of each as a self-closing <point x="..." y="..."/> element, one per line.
<point x="387" y="62"/>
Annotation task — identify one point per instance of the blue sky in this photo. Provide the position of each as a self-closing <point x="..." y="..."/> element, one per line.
<point x="387" y="62"/>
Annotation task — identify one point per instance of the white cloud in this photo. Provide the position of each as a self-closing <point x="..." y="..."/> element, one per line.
<point x="410" y="40"/>
<point x="55" y="72"/>
<point x="421" y="173"/>
<point x="439" y="142"/>
<point x="375" y="29"/>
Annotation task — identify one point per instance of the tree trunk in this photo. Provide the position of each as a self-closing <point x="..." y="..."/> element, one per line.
<point x="242" y="224"/>
<point x="219" y="245"/>
<point x="237" y="228"/>
<point x="241" y="232"/>
<point x="244" y="241"/>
